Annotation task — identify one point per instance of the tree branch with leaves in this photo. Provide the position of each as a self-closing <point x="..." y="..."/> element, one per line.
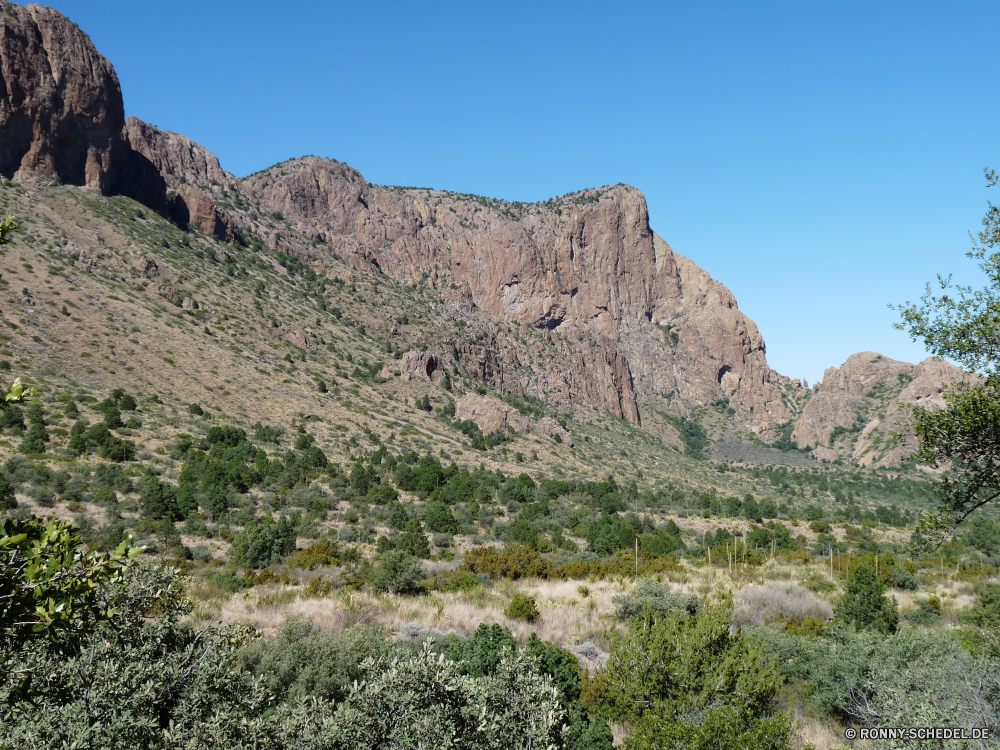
<point x="962" y="323"/>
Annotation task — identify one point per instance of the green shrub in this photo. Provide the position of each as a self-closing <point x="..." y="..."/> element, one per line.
<point x="687" y="681"/>
<point x="35" y="440"/>
<point x="262" y="544"/>
<point x="8" y="500"/>
<point x="426" y="702"/>
<point x="522" y="607"/>
<point x="655" y="597"/>
<point x="455" y="580"/>
<point x="398" y="573"/>
<point x="904" y="579"/>
<point x="12" y="417"/>
<point x="321" y="553"/>
<point x="438" y="518"/>
<point x="523" y="532"/>
<point x="512" y="562"/>
<point x="480" y="654"/>
<point x="303" y="660"/>
<point x="414" y="543"/>
<point x="864" y="604"/>
<point x="986" y="611"/>
<point x="231" y="581"/>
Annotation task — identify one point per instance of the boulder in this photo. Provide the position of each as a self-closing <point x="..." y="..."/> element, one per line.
<point x="491" y="414"/>
<point x="549" y="426"/>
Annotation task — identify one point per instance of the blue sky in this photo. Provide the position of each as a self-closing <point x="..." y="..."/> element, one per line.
<point x="822" y="160"/>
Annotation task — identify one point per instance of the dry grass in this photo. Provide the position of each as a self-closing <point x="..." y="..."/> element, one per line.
<point x="567" y="617"/>
<point x="761" y="604"/>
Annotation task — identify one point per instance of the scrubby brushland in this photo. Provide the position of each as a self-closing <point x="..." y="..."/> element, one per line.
<point x="300" y="461"/>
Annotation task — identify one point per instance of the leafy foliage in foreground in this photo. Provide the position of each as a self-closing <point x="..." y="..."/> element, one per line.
<point x="50" y="586"/>
<point x="147" y="678"/>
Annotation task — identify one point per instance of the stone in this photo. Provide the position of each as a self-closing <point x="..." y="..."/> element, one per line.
<point x="61" y="109"/>
<point x="549" y="426"/>
<point x="491" y="415"/>
<point x="655" y="327"/>
<point x="168" y="293"/>
<point x="420" y="364"/>
<point x="297" y="338"/>
<point x="629" y="325"/>
<point x="864" y="401"/>
<point x="194" y="206"/>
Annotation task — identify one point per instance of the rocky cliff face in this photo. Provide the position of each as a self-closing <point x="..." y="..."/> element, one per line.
<point x="617" y="319"/>
<point x="61" y="112"/>
<point x="643" y="329"/>
<point x="856" y="408"/>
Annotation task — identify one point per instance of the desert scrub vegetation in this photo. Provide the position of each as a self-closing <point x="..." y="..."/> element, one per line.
<point x="289" y="562"/>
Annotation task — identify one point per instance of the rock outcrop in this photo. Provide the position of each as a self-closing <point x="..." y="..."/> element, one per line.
<point x="193" y="175"/>
<point x="61" y="111"/>
<point x="422" y="365"/>
<point x="856" y="409"/>
<point x="627" y="324"/>
<point x="180" y="160"/>
<point x="491" y="415"/>
<point x="644" y="323"/>
<point x="494" y="416"/>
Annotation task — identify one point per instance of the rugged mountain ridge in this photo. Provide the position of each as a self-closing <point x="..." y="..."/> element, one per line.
<point x="629" y="325"/>
<point x="61" y="110"/>
<point x="855" y="410"/>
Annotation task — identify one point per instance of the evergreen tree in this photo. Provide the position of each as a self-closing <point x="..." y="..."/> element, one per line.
<point x="865" y="605"/>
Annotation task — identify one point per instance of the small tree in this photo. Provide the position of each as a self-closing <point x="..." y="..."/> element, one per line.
<point x="962" y="324"/>
<point x="522" y="607"/>
<point x="438" y="518"/>
<point x="687" y="681"/>
<point x="865" y="605"/>
<point x="398" y="573"/>
<point x="8" y="499"/>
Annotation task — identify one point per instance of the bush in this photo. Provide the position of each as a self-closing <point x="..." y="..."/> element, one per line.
<point x="35" y="440"/>
<point x="522" y="607"/>
<point x="321" y="553"/>
<point x="523" y="532"/>
<point x="480" y="654"/>
<point x="426" y="702"/>
<point x="864" y="604"/>
<point x="262" y="544"/>
<point x="655" y="597"/>
<point x="8" y="500"/>
<point x="904" y="579"/>
<point x="455" y="580"/>
<point x="398" y="573"/>
<point x="414" y="543"/>
<point x="512" y="562"/>
<point x="303" y="660"/>
<point x="438" y="518"/>
<point x="870" y="679"/>
<point x="986" y="611"/>
<point x="12" y="417"/>
<point x="691" y="682"/>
